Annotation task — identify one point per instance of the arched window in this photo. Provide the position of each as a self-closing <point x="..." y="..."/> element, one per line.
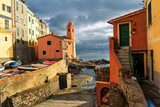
<point x="68" y="29"/>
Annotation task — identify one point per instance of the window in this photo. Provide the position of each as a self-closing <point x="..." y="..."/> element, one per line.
<point x="17" y="40"/>
<point x="44" y="52"/>
<point x="22" y="9"/>
<point x="17" y="18"/>
<point x="22" y="20"/>
<point x="17" y="5"/>
<point x="6" y="8"/>
<point x="32" y="21"/>
<point x="42" y="32"/>
<point x="6" y="24"/>
<point x="32" y="43"/>
<point x="41" y="26"/>
<point x="22" y="32"/>
<point x="57" y="50"/>
<point x="149" y="13"/>
<point x="5" y="38"/>
<point x="29" y="19"/>
<point x="29" y="31"/>
<point x="68" y="30"/>
<point x="69" y="43"/>
<point x="72" y="30"/>
<point x="48" y="42"/>
<point x="29" y="42"/>
<point x="17" y="31"/>
<point x="33" y="32"/>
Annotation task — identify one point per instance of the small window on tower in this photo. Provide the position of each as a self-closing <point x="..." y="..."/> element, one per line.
<point x="69" y="43"/>
<point x="72" y="30"/>
<point x="68" y="30"/>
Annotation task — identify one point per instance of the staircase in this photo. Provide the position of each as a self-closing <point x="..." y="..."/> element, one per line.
<point x="123" y="56"/>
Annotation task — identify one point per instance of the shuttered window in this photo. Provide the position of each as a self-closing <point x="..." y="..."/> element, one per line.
<point x="7" y="24"/>
<point x="149" y="13"/>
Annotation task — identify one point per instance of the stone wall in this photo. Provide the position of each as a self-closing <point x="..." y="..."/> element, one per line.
<point x="19" y="83"/>
<point x="133" y="93"/>
<point x="65" y="80"/>
<point x="34" y="95"/>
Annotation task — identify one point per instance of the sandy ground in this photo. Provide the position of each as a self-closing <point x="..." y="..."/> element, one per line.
<point x="150" y="92"/>
<point x="72" y="97"/>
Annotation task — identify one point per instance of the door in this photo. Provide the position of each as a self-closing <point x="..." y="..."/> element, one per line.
<point x="124" y="34"/>
<point x="138" y="64"/>
<point x="152" y="65"/>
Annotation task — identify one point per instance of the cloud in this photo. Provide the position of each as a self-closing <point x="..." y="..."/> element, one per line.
<point x="89" y="17"/>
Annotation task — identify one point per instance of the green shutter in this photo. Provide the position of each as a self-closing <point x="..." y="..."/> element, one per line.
<point x="6" y="24"/>
<point x="29" y="19"/>
<point x="17" y="31"/>
<point x="22" y="9"/>
<point x="17" y="5"/>
<point x="149" y="13"/>
<point x="22" y="32"/>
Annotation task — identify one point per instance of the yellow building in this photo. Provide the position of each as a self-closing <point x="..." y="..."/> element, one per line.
<point x="6" y="44"/>
<point x="153" y="36"/>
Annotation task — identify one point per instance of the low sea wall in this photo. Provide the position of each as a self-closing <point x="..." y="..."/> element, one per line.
<point x="19" y="83"/>
<point x="133" y="93"/>
<point x="33" y="95"/>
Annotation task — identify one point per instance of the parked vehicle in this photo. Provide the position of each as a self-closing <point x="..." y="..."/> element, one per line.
<point x="27" y="68"/>
<point x="1" y="68"/>
<point x="15" y="64"/>
<point x="49" y="62"/>
<point x="39" y="65"/>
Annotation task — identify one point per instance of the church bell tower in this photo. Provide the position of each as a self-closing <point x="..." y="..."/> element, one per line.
<point x="70" y="30"/>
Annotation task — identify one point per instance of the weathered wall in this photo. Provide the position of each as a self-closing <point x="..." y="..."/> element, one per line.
<point x="115" y="65"/>
<point x="34" y="95"/>
<point x="133" y="93"/>
<point x="19" y="83"/>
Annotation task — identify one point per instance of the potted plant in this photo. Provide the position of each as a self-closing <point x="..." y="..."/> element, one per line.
<point x="124" y="72"/>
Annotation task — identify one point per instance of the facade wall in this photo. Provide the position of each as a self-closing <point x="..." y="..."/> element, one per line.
<point x="56" y="44"/>
<point x="20" y="35"/>
<point x="153" y="37"/>
<point x="19" y="83"/>
<point x="43" y="28"/>
<point x="138" y="23"/>
<point x="6" y="34"/>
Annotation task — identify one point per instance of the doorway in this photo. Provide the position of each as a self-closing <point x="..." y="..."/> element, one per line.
<point x="138" y="65"/>
<point x="124" y="34"/>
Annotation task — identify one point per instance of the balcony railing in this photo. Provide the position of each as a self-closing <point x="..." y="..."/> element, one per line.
<point x="102" y="74"/>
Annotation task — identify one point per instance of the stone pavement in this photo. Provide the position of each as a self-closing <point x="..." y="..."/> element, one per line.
<point x="73" y="97"/>
<point x="150" y="92"/>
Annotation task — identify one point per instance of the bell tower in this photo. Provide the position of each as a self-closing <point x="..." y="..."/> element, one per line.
<point x="70" y="30"/>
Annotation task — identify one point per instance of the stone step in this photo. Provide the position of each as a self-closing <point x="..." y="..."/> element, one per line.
<point x="125" y="47"/>
<point x="125" y="57"/>
<point x="125" y="63"/>
<point x="123" y="54"/>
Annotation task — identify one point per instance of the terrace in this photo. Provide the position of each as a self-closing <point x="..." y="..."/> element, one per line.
<point x="102" y="74"/>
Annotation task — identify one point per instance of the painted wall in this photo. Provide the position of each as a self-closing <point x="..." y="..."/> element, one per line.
<point x="6" y="46"/>
<point x="56" y="44"/>
<point x="139" y="39"/>
<point x="19" y="83"/>
<point x="100" y="86"/>
<point x="153" y="37"/>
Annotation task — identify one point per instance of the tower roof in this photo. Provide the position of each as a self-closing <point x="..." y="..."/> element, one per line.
<point x="70" y="24"/>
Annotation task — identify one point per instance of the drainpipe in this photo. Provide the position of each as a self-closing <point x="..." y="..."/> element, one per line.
<point x="131" y="59"/>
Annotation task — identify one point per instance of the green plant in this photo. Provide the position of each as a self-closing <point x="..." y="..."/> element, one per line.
<point x="116" y="47"/>
<point x="124" y="71"/>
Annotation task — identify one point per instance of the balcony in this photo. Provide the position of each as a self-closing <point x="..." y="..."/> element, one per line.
<point x="5" y="28"/>
<point x="102" y="74"/>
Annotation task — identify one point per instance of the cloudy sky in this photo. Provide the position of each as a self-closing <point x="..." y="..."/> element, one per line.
<point x="89" y="17"/>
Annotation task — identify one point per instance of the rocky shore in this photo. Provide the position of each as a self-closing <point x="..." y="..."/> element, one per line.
<point x="76" y="65"/>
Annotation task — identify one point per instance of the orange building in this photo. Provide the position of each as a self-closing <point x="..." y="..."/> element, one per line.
<point x="70" y="41"/>
<point x="128" y="48"/>
<point x="51" y="47"/>
<point x="131" y="44"/>
<point x="57" y="47"/>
